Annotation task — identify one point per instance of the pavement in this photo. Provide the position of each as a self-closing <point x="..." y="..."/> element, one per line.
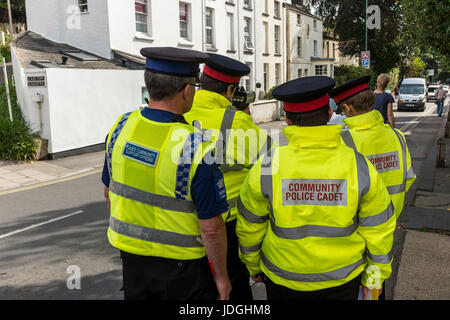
<point x="421" y="268"/>
<point x="16" y="176"/>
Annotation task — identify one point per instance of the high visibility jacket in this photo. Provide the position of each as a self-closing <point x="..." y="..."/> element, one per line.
<point x="315" y="214"/>
<point x="239" y="141"/>
<point x="152" y="165"/>
<point x="386" y="148"/>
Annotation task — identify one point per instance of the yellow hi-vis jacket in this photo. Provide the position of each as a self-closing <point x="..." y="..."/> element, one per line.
<point x="315" y="214"/>
<point x="152" y="166"/>
<point x="386" y="148"/>
<point x="239" y="141"/>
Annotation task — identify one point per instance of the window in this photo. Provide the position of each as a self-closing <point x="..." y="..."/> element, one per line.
<point x="299" y="19"/>
<point x="230" y="34"/>
<point x="334" y="50"/>
<point x="328" y="49"/>
<point x="307" y="30"/>
<point x="277" y="39"/>
<point x="299" y="73"/>
<point x="142" y="15"/>
<point x="266" y="37"/>
<point x="184" y="20"/>
<point x="266" y="6"/>
<point x="276" y="9"/>
<point x="83" y="5"/>
<point x="315" y="25"/>
<point x="248" y="44"/>
<point x="315" y="48"/>
<point x="266" y="77"/>
<point x="306" y="72"/>
<point x="247" y="3"/>
<point x="209" y="26"/>
<point x="321" y="70"/>
<point x="277" y="73"/>
<point x="299" y="46"/>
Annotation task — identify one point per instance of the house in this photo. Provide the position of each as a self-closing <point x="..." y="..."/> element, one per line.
<point x="271" y="48"/>
<point x="332" y="48"/>
<point x="71" y="97"/>
<point x="304" y="37"/>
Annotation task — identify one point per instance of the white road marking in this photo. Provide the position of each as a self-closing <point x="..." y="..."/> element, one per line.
<point x="39" y="224"/>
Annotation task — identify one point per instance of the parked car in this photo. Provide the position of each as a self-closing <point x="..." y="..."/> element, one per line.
<point x="413" y="94"/>
<point x="432" y="92"/>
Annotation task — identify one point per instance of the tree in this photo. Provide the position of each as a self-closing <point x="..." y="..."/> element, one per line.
<point x="17" y="11"/>
<point x="416" y="69"/>
<point x="347" y="18"/>
<point x="426" y="24"/>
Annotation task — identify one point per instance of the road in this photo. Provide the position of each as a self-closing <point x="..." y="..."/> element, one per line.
<point x="46" y="230"/>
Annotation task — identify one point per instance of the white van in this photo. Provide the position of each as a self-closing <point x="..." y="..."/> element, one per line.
<point x="413" y="94"/>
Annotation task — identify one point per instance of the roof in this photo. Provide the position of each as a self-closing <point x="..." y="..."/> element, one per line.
<point x="36" y="52"/>
<point x="303" y="10"/>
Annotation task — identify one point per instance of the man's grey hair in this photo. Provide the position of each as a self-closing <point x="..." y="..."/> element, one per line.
<point x="441" y="86"/>
<point x="162" y="86"/>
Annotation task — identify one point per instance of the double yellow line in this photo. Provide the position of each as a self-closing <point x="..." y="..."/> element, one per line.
<point x="410" y="123"/>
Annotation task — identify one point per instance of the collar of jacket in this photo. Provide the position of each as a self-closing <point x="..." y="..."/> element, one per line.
<point x="210" y="100"/>
<point x="321" y="137"/>
<point x="365" y="121"/>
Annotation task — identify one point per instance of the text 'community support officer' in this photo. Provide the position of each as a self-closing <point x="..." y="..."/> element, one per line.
<point x="315" y="216"/>
<point x="166" y="193"/>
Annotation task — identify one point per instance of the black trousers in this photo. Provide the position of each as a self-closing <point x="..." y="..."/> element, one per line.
<point x="237" y="272"/>
<point x="154" y="278"/>
<point x="347" y="291"/>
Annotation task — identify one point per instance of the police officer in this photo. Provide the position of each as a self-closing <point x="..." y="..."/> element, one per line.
<point x="315" y="218"/>
<point x="385" y="147"/>
<point x="241" y="142"/>
<point x="165" y="191"/>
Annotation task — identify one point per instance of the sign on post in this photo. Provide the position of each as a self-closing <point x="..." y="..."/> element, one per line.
<point x="365" y="59"/>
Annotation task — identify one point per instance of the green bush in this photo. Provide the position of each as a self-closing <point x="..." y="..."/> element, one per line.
<point x="344" y="73"/>
<point x="16" y="139"/>
<point x="5" y="50"/>
<point x="268" y="94"/>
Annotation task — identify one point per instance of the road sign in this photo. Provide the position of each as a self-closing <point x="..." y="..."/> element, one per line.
<point x="430" y="72"/>
<point x="365" y="59"/>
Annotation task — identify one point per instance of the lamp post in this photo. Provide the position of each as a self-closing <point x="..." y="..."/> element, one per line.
<point x="367" y="5"/>
<point x="10" y="19"/>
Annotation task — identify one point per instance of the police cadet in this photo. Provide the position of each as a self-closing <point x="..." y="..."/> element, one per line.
<point x="315" y="218"/>
<point x="165" y="202"/>
<point x="241" y="141"/>
<point x="385" y="147"/>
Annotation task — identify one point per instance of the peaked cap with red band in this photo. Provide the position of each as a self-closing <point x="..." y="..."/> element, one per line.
<point x="349" y="89"/>
<point x="225" y="69"/>
<point x="305" y="94"/>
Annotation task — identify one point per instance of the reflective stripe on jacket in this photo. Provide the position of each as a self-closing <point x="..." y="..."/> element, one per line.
<point x="315" y="214"/>
<point x="387" y="150"/>
<point x="235" y="133"/>
<point x="152" y="165"/>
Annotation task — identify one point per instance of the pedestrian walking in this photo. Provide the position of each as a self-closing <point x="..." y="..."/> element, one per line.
<point x="314" y="216"/>
<point x="241" y="141"/>
<point x="441" y="95"/>
<point x="386" y="148"/>
<point x="165" y="192"/>
<point x="384" y="102"/>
